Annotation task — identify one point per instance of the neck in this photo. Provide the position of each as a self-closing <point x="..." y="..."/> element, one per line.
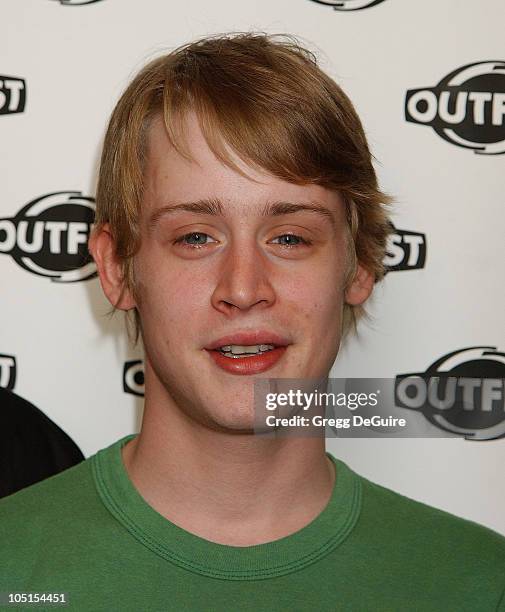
<point x="229" y="488"/>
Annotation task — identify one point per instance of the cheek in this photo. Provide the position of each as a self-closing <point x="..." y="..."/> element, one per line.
<point x="317" y="290"/>
<point x="170" y="295"/>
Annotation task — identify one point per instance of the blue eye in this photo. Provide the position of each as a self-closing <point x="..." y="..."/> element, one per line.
<point x="200" y="239"/>
<point x="292" y="240"/>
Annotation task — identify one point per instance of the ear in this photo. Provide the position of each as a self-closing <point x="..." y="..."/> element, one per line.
<point x="103" y="249"/>
<point x="360" y="288"/>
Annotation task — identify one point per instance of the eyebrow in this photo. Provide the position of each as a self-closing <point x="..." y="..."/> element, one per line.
<point x="214" y="206"/>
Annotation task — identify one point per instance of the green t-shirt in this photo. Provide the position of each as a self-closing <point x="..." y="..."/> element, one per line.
<point x="88" y="533"/>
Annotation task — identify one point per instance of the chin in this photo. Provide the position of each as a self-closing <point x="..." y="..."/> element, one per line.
<point x="234" y="420"/>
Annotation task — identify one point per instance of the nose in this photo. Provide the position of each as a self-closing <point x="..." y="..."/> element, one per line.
<point x="243" y="281"/>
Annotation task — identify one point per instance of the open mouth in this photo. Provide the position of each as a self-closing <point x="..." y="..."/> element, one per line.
<point x="236" y="351"/>
<point x="248" y="352"/>
<point x="246" y="359"/>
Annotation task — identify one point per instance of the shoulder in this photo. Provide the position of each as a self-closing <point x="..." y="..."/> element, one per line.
<point x="41" y="502"/>
<point x="57" y="508"/>
<point x="424" y="554"/>
<point x="55" y="520"/>
<point x="435" y="532"/>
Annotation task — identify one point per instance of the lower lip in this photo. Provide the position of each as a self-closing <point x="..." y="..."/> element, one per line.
<point x="248" y="365"/>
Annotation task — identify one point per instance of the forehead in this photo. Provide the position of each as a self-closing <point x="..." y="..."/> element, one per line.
<point x="170" y="177"/>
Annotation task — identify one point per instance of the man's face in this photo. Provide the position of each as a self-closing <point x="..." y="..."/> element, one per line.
<point x="270" y="280"/>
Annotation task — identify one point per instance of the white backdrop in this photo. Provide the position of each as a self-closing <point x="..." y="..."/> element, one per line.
<point x="76" y="59"/>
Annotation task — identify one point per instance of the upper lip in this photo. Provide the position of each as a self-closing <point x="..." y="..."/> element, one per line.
<point x="248" y="338"/>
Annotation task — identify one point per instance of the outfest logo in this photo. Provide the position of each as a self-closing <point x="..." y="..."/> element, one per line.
<point x="463" y="392"/>
<point x="12" y="95"/>
<point x="49" y="236"/>
<point x="133" y="377"/>
<point x="349" y="5"/>
<point x="406" y="250"/>
<point x="467" y="107"/>
<point x="7" y="371"/>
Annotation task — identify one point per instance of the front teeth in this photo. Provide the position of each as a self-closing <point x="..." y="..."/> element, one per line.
<point x="236" y="350"/>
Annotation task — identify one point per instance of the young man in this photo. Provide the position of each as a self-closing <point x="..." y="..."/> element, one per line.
<point x="240" y="221"/>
